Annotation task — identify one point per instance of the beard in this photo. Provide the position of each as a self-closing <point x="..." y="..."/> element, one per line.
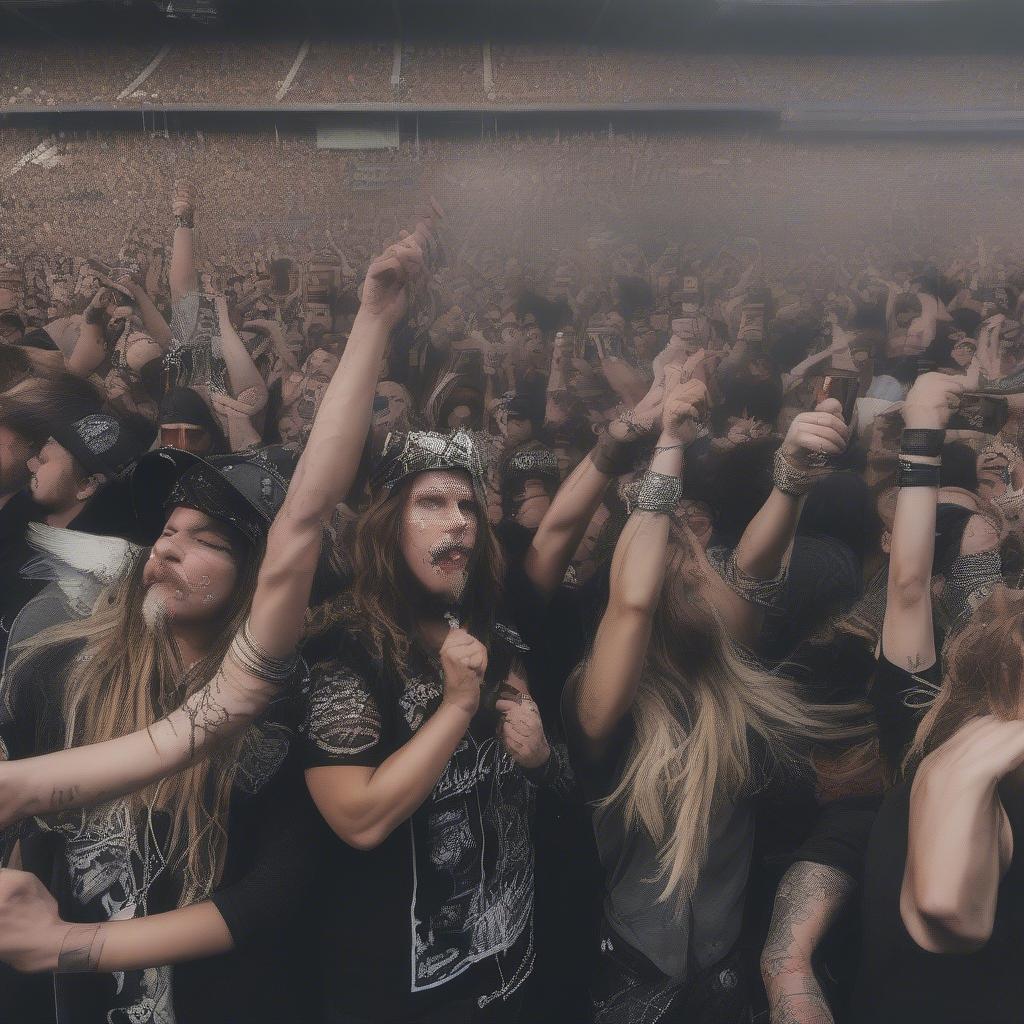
<point x="154" y="610"/>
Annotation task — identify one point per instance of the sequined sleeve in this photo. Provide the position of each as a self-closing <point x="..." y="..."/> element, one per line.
<point x="343" y="724"/>
<point x="184" y="316"/>
<point x="766" y="594"/>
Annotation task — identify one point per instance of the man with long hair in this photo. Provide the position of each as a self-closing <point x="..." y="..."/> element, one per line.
<point x="423" y="751"/>
<point x="180" y="855"/>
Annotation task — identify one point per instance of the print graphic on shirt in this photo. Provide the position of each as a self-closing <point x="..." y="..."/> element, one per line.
<point x="343" y="717"/>
<point x="111" y="870"/>
<point x="472" y="855"/>
<point x="921" y="695"/>
<point x="264" y="750"/>
<point x="194" y="356"/>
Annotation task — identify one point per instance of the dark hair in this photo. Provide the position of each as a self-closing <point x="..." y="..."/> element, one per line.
<point x="376" y="606"/>
<point x="735" y="483"/>
<point x="10" y="319"/>
<point x="742" y="394"/>
<point x="959" y="466"/>
<point x="31" y="407"/>
<point x="14" y="366"/>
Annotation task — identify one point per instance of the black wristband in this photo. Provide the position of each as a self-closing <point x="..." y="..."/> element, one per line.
<point x="917" y="474"/>
<point x="184" y="220"/>
<point x="919" y="441"/>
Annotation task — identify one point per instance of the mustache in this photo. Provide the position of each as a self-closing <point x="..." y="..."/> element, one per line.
<point x="164" y="574"/>
<point x="444" y="548"/>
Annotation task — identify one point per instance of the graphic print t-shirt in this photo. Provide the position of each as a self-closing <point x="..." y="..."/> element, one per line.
<point x="428" y="915"/>
<point x="108" y="864"/>
<point x="194" y="358"/>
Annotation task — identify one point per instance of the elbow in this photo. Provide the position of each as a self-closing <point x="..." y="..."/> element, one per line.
<point x="939" y="923"/>
<point x="633" y="604"/>
<point x="907" y="588"/>
<point x="364" y="836"/>
<point x="366" y="839"/>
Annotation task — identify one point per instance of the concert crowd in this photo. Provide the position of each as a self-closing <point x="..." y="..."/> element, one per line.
<point x="427" y="639"/>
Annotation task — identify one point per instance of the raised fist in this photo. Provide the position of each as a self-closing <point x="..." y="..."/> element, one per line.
<point x="464" y="661"/>
<point x="931" y="400"/>
<point x="812" y="434"/>
<point x="685" y="407"/>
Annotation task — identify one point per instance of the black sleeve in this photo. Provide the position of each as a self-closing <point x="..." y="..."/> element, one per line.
<point x="343" y="722"/>
<point x="900" y="699"/>
<point x="839" y="838"/>
<point x="281" y="864"/>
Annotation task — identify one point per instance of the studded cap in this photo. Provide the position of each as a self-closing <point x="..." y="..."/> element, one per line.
<point x="417" y="451"/>
<point x="243" y="489"/>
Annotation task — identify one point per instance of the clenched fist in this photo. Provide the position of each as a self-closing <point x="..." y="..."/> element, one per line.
<point x="522" y="732"/>
<point x="686" y="403"/>
<point x="31" y="931"/>
<point x="464" y="661"/>
<point x="822" y="432"/>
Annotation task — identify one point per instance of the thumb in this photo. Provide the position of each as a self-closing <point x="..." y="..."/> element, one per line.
<point x="673" y="375"/>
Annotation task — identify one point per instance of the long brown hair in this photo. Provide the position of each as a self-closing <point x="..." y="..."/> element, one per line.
<point x="982" y="675"/>
<point x="378" y="605"/>
<point x="127" y="676"/>
<point x="698" y="699"/>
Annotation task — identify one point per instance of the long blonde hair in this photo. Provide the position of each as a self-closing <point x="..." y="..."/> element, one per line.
<point x="698" y="699"/>
<point x="126" y="677"/>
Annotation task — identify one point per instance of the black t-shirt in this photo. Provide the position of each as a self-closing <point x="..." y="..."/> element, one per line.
<point x="900" y="699"/>
<point x="106" y="863"/>
<point x="901" y="983"/>
<point x="442" y="909"/>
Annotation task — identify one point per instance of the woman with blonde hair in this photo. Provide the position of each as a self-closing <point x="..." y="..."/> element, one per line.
<point x="674" y="728"/>
<point x="190" y="836"/>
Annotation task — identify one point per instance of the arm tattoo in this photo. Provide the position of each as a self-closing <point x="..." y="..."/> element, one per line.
<point x="62" y="798"/>
<point x="914" y="662"/>
<point x="206" y="714"/>
<point x="81" y="949"/>
<point x="808" y="898"/>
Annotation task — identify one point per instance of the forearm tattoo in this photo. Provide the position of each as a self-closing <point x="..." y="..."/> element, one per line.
<point x="807" y="891"/>
<point x="206" y="713"/>
<point x="81" y="949"/>
<point x="63" y="797"/>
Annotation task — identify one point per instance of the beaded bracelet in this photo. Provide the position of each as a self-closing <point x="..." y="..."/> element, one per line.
<point x="659" y="493"/>
<point x="255" y="660"/>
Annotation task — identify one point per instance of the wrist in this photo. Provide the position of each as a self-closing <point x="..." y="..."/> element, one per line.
<point x="375" y="321"/>
<point x="536" y="770"/>
<point x="458" y="709"/>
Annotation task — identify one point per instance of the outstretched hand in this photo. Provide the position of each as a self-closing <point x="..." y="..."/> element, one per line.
<point x="394" y="274"/>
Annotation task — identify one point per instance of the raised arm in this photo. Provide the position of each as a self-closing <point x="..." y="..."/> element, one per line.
<point x="247" y="385"/>
<point x="182" y="275"/>
<point x="908" y="636"/>
<point x="960" y="843"/>
<point x="565" y="522"/>
<point x="90" y="349"/>
<point x="607" y="686"/>
<point x="767" y="542"/>
<point x="325" y="472"/>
